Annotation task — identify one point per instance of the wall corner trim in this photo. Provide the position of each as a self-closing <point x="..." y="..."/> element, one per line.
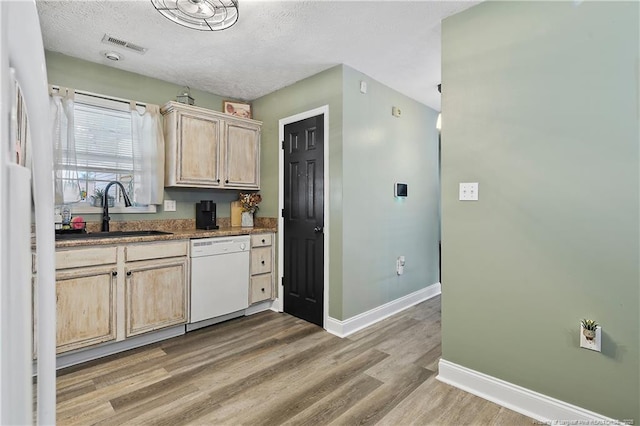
<point x="349" y="326"/>
<point x="522" y="400"/>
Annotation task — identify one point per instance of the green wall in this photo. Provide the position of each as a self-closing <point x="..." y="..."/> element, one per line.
<point x="379" y="150"/>
<point x="67" y="71"/>
<point x="369" y="150"/>
<point x="321" y="89"/>
<point x="540" y="106"/>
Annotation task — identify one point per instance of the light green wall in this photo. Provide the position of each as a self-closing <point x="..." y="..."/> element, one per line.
<point x="368" y="151"/>
<point x="379" y="150"/>
<point x="321" y="89"/>
<point x="540" y="106"/>
<point x="83" y="75"/>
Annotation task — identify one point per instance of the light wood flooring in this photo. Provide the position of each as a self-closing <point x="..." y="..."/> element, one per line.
<point x="272" y="369"/>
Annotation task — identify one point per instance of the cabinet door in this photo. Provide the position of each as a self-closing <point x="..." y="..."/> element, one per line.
<point x="242" y="155"/>
<point x="156" y="294"/>
<point x="86" y="307"/>
<point x="198" y="150"/>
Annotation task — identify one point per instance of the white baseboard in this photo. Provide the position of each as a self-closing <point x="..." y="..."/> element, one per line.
<point x="524" y="401"/>
<point x="349" y="326"/>
<point x="259" y="307"/>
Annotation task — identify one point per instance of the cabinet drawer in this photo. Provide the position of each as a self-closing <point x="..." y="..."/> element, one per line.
<point x="75" y="258"/>
<point x="159" y="250"/>
<point x="261" y="240"/>
<point x="260" y="260"/>
<point x="260" y="288"/>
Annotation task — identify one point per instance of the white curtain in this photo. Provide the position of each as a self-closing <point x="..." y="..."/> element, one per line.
<point x="67" y="186"/>
<point x="148" y="154"/>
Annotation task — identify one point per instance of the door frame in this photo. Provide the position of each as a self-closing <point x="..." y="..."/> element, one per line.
<point x="323" y="110"/>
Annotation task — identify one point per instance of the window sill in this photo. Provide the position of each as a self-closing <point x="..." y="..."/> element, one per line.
<point x="86" y="209"/>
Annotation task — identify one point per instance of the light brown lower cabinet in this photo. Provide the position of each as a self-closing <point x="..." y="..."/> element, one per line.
<point x="86" y="304"/>
<point x="262" y="268"/>
<point x="156" y="294"/>
<point x="109" y="293"/>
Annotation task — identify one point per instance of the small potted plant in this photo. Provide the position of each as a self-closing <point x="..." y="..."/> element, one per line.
<point x="249" y="204"/>
<point x="98" y="197"/>
<point x="589" y="328"/>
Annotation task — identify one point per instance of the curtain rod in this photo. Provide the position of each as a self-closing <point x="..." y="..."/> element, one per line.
<point x="53" y="87"/>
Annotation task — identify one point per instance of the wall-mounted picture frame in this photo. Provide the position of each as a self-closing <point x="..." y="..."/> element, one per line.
<point x="238" y="109"/>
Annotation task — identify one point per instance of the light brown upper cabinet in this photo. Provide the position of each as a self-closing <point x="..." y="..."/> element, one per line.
<point x="209" y="149"/>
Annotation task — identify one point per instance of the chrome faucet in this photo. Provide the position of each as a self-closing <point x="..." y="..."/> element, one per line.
<point x="105" y="204"/>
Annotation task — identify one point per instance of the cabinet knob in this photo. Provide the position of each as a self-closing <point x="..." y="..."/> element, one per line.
<point x="263" y="241"/>
<point x="262" y="262"/>
<point x="226" y="181"/>
<point x="128" y="273"/>
<point x="114" y="273"/>
<point x="262" y="289"/>
<point x="218" y="181"/>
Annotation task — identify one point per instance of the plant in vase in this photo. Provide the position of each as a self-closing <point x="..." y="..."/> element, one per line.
<point x="97" y="198"/>
<point x="589" y="328"/>
<point x="249" y="204"/>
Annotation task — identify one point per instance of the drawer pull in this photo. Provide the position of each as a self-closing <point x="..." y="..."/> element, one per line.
<point x="262" y="262"/>
<point x="262" y="289"/>
<point x="263" y="241"/>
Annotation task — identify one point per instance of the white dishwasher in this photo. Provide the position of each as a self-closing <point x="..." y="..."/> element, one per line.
<point x="219" y="277"/>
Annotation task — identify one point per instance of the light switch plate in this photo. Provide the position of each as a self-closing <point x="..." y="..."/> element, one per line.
<point x="169" y="205"/>
<point x="468" y="191"/>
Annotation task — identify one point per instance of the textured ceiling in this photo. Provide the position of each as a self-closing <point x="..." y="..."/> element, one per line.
<point x="274" y="43"/>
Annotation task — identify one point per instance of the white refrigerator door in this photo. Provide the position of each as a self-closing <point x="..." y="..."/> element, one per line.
<point x="22" y="59"/>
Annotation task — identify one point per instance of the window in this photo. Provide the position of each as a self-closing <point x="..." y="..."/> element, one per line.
<point x="104" y="152"/>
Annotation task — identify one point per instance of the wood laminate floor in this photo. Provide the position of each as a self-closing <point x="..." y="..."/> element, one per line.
<point x="273" y="369"/>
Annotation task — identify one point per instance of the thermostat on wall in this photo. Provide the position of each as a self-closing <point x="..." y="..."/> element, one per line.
<point x="400" y="189"/>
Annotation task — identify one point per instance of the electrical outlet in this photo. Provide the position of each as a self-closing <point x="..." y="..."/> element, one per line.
<point x="594" y="344"/>
<point x="468" y="191"/>
<point x="169" y="205"/>
<point x="400" y="265"/>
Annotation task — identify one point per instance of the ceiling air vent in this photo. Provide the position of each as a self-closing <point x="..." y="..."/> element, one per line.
<point x="107" y="39"/>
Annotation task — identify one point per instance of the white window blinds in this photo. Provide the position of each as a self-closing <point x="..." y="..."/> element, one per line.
<point x="103" y="139"/>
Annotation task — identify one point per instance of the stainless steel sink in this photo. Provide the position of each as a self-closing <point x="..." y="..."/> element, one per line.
<point x="112" y="234"/>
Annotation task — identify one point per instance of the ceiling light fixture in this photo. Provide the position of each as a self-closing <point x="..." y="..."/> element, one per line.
<point x="203" y="15"/>
<point x="112" y="56"/>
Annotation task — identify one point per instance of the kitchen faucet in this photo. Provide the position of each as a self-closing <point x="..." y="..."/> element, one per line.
<point x="105" y="204"/>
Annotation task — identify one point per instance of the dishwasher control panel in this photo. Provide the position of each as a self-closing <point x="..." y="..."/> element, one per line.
<point x="219" y="245"/>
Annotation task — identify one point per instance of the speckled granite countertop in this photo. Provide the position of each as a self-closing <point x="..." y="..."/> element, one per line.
<point x="181" y="229"/>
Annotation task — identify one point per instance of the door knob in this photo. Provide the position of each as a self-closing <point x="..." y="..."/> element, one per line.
<point x="317" y="229"/>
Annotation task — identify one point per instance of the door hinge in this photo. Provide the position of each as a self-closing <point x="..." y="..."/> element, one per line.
<point x="282" y="212"/>
<point x="282" y="144"/>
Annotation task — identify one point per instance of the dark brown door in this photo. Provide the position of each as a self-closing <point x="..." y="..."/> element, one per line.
<point x="304" y="219"/>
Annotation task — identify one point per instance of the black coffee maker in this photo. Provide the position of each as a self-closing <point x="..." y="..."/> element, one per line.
<point x="206" y="215"/>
